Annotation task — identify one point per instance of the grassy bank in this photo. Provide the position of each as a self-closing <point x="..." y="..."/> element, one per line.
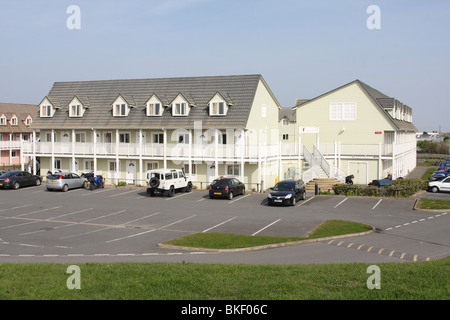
<point x="233" y="241"/>
<point x="180" y="281"/>
<point x="433" y="204"/>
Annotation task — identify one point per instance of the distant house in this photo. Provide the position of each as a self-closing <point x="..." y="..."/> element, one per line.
<point x="355" y="129"/>
<point x="15" y="129"/>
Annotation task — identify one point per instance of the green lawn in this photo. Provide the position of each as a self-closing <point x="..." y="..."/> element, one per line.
<point x="189" y="281"/>
<point x="433" y="204"/>
<point x="232" y="241"/>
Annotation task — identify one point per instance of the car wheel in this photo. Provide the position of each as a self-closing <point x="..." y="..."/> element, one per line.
<point x="189" y="187"/>
<point x="85" y="185"/>
<point x="171" y="191"/>
<point x="304" y="195"/>
<point x="16" y="185"/>
<point x="65" y="188"/>
<point x="243" y="191"/>
<point x="293" y="202"/>
<point x="435" y="189"/>
<point x="38" y="182"/>
<point x="230" y="195"/>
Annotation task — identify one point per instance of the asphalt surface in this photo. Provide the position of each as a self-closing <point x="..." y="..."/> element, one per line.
<point x="124" y="224"/>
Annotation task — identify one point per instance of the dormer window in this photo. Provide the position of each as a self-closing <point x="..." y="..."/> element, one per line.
<point x="46" y="111"/>
<point x="28" y="121"/>
<point x="218" y="105"/>
<point x="14" y="121"/>
<point x="217" y="108"/>
<point x="76" y="110"/>
<point x="121" y="107"/>
<point x="120" y="110"/>
<point x="3" y="120"/>
<point x="154" y="109"/>
<point x="179" y="109"/>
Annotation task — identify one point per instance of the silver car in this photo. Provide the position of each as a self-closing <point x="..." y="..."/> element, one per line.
<point x="65" y="181"/>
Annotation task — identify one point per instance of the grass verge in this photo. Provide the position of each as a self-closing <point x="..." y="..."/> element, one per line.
<point x="427" y="175"/>
<point x="234" y="241"/>
<point x="433" y="204"/>
<point x="189" y="281"/>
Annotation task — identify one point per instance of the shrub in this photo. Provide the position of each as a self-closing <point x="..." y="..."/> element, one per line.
<point x="401" y="187"/>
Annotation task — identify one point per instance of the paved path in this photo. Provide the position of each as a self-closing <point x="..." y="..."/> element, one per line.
<point x="418" y="172"/>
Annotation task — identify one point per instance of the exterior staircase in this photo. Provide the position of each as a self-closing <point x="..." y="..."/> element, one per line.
<point x="324" y="184"/>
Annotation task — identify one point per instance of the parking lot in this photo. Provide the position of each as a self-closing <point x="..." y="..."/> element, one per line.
<point x="125" y="222"/>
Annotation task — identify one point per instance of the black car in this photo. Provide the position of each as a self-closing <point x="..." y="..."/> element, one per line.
<point x="226" y="188"/>
<point x="17" y="179"/>
<point x="287" y="192"/>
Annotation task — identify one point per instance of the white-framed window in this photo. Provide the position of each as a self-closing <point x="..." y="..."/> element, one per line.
<point x="80" y="137"/>
<point x="14" y="121"/>
<point x="48" y="136"/>
<point x="264" y="110"/>
<point x="285" y="122"/>
<point x="217" y="108"/>
<point x="158" y="138"/>
<point x="57" y="165"/>
<point x="183" y="138"/>
<point x="154" y="109"/>
<point x="76" y="110"/>
<point x="194" y="169"/>
<point x="124" y="137"/>
<point x="89" y="165"/>
<point x="342" y="111"/>
<point x="285" y="137"/>
<point x="179" y="109"/>
<point x="151" y="165"/>
<point x="233" y="169"/>
<point x="3" y="121"/>
<point x="46" y="111"/>
<point x="28" y="121"/>
<point x="120" y="110"/>
<point x="13" y="154"/>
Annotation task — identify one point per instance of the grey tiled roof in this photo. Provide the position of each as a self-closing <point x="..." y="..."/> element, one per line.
<point x="238" y="92"/>
<point x="288" y="113"/>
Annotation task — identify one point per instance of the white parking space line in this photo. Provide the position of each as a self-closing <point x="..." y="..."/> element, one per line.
<point x="379" y="201"/>
<point x="265" y="227"/>
<point x="217" y="225"/>
<point x="199" y="200"/>
<point x="38" y="211"/>
<point x="237" y="199"/>
<point x="303" y="202"/>
<point x="120" y="194"/>
<point x="180" y="195"/>
<point x="100" y="191"/>
<point x="13" y="208"/>
<point x="131" y="221"/>
<point x="104" y="216"/>
<point x="148" y="231"/>
<point x="340" y="203"/>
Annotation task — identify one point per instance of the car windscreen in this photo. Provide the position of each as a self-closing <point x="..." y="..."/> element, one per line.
<point x="284" y="186"/>
<point x="220" y="183"/>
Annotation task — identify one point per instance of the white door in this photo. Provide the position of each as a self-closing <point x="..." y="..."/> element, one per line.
<point x="131" y="172"/>
<point x="359" y="170"/>
<point x="210" y="172"/>
<point x="144" y="142"/>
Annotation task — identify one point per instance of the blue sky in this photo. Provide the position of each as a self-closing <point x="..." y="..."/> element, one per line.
<point x="301" y="48"/>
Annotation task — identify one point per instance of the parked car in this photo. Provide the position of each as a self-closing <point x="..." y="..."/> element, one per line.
<point x="439" y="185"/>
<point x="440" y="174"/>
<point x="2" y="172"/>
<point x="287" y="192"/>
<point x="381" y="183"/>
<point x="18" y="179"/>
<point x="447" y="158"/>
<point x="65" y="181"/>
<point x="167" y="181"/>
<point x="226" y="188"/>
<point x="444" y="165"/>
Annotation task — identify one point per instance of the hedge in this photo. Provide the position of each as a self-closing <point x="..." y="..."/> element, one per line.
<point x="400" y="188"/>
